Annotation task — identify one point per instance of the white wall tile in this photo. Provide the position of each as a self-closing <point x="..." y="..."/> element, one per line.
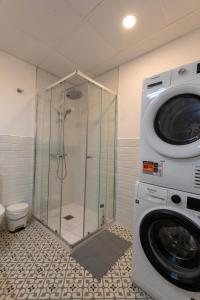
<point x="16" y="169"/>
<point x="126" y="176"/>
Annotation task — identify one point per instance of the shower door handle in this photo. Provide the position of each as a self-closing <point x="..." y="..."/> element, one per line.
<point x="89" y="157"/>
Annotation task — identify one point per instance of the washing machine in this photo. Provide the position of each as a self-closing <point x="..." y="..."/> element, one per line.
<point x="166" y="254"/>
<point x="170" y="129"/>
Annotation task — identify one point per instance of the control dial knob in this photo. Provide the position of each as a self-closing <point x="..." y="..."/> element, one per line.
<point x="176" y="199"/>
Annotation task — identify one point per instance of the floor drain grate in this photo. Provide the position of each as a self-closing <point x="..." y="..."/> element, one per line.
<point x="68" y="217"/>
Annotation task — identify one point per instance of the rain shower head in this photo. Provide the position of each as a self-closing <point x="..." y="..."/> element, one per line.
<point x="74" y="94"/>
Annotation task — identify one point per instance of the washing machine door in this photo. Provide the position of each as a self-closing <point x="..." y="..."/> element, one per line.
<point x="171" y="242"/>
<point x="171" y="123"/>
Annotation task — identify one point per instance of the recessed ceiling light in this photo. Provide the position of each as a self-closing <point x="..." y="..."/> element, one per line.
<point x="129" y="22"/>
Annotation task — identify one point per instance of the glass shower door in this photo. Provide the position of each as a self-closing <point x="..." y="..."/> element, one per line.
<point x="107" y="158"/>
<point x="92" y="184"/>
<point x="41" y="191"/>
<point x="100" y="159"/>
<point x="55" y="159"/>
<point x="73" y="185"/>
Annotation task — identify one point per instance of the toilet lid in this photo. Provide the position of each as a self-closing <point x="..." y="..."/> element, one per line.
<point x="2" y="209"/>
<point x="17" y="207"/>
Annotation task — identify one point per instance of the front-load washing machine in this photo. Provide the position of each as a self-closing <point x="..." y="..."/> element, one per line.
<point x="170" y="129"/>
<point x="166" y="255"/>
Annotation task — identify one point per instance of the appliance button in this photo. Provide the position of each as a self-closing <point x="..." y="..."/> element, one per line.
<point x="182" y="71"/>
<point x="176" y="199"/>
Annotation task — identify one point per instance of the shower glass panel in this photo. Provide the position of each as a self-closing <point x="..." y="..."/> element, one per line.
<point x="93" y="159"/>
<point x="73" y="185"/>
<point x="41" y="192"/>
<point x="107" y="161"/>
<point x="55" y="159"/>
<point x="74" y="157"/>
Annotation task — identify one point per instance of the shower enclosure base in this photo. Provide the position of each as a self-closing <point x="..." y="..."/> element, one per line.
<point x="72" y="229"/>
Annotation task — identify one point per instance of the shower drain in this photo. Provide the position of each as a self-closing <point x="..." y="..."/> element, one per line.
<point x="68" y="217"/>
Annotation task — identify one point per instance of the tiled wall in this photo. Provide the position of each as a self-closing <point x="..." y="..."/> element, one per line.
<point x="16" y="174"/>
<point x="16" y="169"/>
<point x="127" y="160"/>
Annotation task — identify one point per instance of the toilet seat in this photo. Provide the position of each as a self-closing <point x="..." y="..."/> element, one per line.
<point x="17" y="211"/>
<point x="17" y="207"/>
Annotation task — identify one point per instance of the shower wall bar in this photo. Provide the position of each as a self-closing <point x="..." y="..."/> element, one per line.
<point x="79" y="73"/>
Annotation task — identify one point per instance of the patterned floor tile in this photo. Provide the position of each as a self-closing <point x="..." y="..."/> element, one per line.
<point x="35" y="265"/>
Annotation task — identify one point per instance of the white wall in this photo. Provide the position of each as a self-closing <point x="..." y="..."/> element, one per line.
<point x="110" y="79"/>
<point x="17" y="123"/>
<point x="44" y="79"/>
<point x="16" y="110"/>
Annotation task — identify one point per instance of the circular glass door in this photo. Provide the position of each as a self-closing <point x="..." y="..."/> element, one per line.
<point x="177" y="122"/>
<point x="171" y="121"/>
<point x="171" y="242"/>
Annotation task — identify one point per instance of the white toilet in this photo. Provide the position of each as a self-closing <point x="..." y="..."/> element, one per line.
<point x="17" y="215"/>
<point x="2" y="213"/>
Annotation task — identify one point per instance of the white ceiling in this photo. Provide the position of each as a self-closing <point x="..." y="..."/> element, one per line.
<point x="62" y="35"/>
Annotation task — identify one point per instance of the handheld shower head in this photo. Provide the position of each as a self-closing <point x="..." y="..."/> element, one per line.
<point x="67" y="112"/>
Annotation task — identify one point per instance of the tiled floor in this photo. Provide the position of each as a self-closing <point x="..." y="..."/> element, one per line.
<point x="72" y="230"/>
<point x="36" y="265"/>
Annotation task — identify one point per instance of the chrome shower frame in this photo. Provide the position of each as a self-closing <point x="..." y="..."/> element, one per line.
<point x="79" y="73"/>
<point x="61" y="81"/>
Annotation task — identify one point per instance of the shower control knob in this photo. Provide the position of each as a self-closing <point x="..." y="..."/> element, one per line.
<point x="176" y="199"/>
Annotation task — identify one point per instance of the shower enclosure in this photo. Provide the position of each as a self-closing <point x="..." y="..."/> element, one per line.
<point x="75" y="157"/>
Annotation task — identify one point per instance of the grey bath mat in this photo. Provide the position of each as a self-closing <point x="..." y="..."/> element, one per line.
<point x="100" y="253"/>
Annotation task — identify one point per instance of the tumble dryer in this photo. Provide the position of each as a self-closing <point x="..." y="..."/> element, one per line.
<point x="170" y="129"/>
